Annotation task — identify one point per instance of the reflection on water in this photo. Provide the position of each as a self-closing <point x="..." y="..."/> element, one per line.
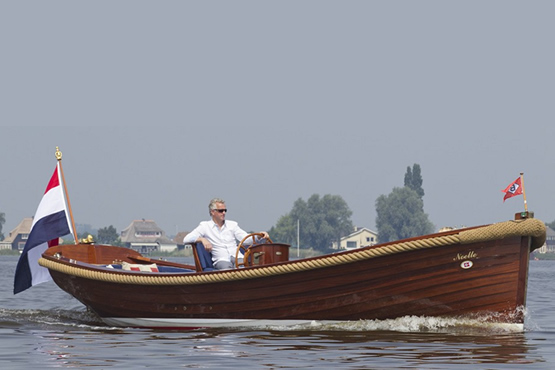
<point x="411" y="347"/>
<point x="277" y="348"/>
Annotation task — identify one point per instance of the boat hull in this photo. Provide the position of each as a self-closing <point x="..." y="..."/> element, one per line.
<point x="486" y="280"/>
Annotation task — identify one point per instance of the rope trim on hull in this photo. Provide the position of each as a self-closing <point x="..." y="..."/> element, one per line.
<point x="526" y="227"/>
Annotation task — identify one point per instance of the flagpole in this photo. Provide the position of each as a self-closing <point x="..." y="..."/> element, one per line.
<point x="523" y="192"/>
<point x="59" y="158"/>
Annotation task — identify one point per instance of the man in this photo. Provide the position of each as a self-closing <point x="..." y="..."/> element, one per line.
<point x="219" y="236"/>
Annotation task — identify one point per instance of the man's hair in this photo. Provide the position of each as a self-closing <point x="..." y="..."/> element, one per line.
<point x="212" y="204"/>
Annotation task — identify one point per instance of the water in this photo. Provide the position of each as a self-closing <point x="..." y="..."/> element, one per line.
<point x="45" y="327"/>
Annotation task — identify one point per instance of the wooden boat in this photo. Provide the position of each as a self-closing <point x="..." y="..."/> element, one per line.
<point x="479" y="272"/>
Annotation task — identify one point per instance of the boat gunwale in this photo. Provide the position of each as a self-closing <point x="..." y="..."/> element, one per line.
<point x="525" y="227"/>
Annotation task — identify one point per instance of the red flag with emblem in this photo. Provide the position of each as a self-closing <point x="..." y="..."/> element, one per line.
<point x="514" y="188"/>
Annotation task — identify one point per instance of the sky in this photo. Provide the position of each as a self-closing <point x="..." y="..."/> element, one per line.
<point x="159" y="106"/>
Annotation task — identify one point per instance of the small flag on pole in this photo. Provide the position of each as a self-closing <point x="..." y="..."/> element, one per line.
<point x="514" y="189"/>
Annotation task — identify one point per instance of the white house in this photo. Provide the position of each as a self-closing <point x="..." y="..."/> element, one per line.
<point x="361" y="237"/>
<point x="549" y="245"/>
<point x="145" y="236"/>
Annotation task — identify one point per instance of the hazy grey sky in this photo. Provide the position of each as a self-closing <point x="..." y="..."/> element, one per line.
<point x="158" y="106"/>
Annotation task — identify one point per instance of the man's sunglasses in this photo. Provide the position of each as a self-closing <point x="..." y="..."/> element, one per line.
<point x="221" y="210"/>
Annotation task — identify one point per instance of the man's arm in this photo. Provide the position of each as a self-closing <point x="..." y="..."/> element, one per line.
<point x="191" y="237"/>
<point x="197" y="236"/>
<point x="240" y="235"/>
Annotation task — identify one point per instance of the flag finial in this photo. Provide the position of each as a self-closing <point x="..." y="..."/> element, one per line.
<point x="58" y="154"/>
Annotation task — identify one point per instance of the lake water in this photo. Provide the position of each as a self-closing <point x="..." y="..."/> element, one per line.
<point x="45" y="327"/>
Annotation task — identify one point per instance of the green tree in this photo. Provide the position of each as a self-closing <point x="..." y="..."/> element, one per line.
<point x="286" y="227"/>
<point x="413" y="179"/>
<point x="401" y="215"/>
<point x="108" y="235"/>
<point x="2" y="221"/>
<point x="551" y="225"/>
<point x="321" y="220"/>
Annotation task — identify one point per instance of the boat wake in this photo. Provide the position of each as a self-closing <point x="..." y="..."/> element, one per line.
<point x="62" y="319"/>
<point x="414" y="324"/>
<point x="15" y="318"/>
<point x="410" y="324"/>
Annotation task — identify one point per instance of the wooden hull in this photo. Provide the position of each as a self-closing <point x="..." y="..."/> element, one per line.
<point x="483" y="279"/>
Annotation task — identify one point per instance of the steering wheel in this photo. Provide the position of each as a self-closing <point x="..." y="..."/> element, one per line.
<point x="248" y="249"/>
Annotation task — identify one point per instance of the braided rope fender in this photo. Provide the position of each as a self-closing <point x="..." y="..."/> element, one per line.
<point x="527" y="227"/>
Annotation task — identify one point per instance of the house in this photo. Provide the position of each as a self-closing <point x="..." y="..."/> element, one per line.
<point x="361" y="237"/>
<point x="145" y="236"/>
<point x="5" y="245"/>
<point x="549" y="245"/>
<point x="178" y="239"/>
<point x="17" y="238"/>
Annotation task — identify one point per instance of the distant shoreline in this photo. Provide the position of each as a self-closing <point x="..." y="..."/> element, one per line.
<point x="543" y="256"/>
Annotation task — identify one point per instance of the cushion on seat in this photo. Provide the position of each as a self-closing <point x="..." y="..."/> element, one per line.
<point x="204" y="257"/>
<point x="138" y="267"/>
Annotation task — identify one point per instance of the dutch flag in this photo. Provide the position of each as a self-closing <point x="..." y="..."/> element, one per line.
<point x="49" y="224"/>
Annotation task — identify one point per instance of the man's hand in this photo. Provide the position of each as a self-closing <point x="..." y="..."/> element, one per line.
<point x="206" y="243"/>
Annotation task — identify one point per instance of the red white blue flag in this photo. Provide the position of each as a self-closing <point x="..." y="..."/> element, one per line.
<point x="514" y="188"/>
<point x="49" y="224"/>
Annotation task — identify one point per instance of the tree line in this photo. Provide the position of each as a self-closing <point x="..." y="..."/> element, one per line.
<point x="321" y="220"/>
